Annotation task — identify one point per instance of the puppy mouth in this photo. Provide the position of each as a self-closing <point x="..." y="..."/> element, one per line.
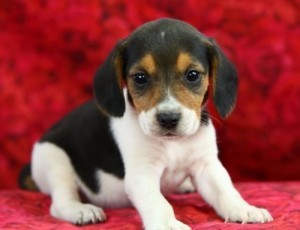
<point x="170" y="135"/>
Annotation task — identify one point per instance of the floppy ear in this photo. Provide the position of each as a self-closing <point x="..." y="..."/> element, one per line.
<point x="108" y="88"/>
<point x="224" y="80"/>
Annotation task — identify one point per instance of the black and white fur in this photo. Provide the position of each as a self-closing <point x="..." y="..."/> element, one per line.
<point x="117" y="156"/>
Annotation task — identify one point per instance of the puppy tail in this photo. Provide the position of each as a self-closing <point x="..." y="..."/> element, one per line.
<point x="25" y="180"/>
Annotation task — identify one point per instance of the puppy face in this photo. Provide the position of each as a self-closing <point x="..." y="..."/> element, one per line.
<point x="167" y="91"/>
<point x="166" y="66"/>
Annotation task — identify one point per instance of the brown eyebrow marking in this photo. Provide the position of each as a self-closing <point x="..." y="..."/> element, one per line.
<point x="147" y="63"/>
<point x="185" y="61"/>
<point x="151" y="98"/>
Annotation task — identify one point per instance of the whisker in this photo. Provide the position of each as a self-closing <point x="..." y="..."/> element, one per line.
<point x="206" y="112"/>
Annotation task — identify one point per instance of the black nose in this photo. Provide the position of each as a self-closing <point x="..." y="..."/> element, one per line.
<point x="168" y="120"/>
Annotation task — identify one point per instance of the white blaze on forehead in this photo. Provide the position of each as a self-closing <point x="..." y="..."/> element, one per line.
<point x="163" y="34"/>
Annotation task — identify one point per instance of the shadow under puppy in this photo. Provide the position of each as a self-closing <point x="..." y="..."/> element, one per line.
<point x="146" y="134"/>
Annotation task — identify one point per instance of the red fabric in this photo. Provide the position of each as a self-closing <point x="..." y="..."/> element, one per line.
<point x="29" y="210"/>
<point x="49" y="51"/>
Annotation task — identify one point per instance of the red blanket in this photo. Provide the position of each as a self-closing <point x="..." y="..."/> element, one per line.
<point x="30" y="210"/>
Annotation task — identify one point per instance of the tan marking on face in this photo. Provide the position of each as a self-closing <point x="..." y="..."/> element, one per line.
<point x="188" y="98"/>
<point x="147" y="100"/>
<point x="191" y="99"/>
<point x="157" y="91"/>
<point x="152" y="96"/>
<point x="147" y="63"/>
<point x="185" y="61"/>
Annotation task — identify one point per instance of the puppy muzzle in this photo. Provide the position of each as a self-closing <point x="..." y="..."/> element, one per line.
<point x="168" y="120"/>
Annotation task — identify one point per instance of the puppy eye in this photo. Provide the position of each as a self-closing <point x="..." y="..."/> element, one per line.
<point x="140" y="79"/>
<point x="192" y="76"/>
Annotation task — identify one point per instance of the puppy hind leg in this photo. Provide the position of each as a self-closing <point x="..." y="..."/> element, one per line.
<point x="54" y="174"/>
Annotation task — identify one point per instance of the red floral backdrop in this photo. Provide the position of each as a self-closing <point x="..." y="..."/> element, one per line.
<point x="49" y="51"/>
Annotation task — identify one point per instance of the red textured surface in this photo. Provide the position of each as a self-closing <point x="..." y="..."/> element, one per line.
<point x="49" y="51"/>
<point x="28" y="210"/>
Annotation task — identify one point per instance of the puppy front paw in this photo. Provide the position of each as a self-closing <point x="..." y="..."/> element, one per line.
<point x="240" y="211"/>
<point x="78" y="213"/>
<point x="169" y="225"/>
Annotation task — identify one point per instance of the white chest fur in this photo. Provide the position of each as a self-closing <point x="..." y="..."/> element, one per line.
<point x="176" y="166"/>
<point x="171" y="159"/>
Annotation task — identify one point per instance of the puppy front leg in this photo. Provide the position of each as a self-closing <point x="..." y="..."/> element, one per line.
<point x="214" y="184"/>
<point x="156" y="212"/>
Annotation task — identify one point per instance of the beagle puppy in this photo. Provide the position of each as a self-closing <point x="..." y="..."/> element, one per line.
<point x="146" y="134"/>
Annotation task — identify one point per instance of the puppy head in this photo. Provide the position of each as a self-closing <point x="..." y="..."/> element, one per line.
<point x="167" y="67"/>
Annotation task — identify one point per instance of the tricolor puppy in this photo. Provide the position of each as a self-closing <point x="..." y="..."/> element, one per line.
<point x="146" y="134"/>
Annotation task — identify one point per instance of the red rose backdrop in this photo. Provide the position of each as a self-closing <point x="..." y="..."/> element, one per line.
<point x="49" y="51"/>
